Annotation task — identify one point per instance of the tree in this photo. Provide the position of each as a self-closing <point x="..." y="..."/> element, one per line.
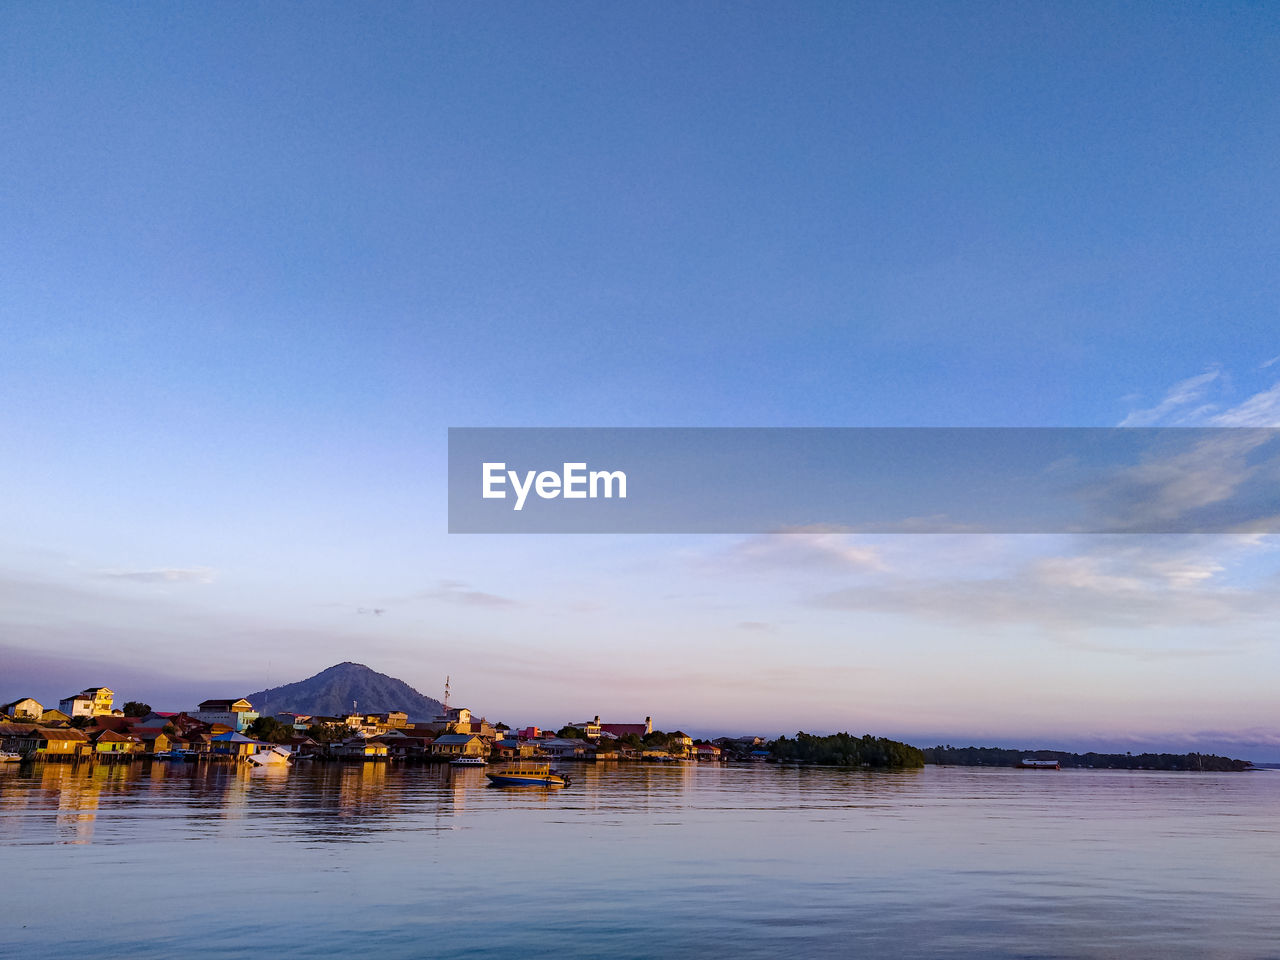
<point x="271" y="730"/>
<point x="136" y="708"/>
<point x="569" y="733"/>
<point x="329" y="732"/>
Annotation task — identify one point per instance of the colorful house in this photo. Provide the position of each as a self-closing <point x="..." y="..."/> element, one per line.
<point x="458" y="745"/>
<point x="91" y="702"/>
<point x="236" y="714"/>
<point x="234" y="744"/>
<point x="113" y="744"/>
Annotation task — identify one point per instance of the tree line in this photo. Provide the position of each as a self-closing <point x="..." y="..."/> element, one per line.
<point x="846" y="750"/>
<point x="1004" y="757"/>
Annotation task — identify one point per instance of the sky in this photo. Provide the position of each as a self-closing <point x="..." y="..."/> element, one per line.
<point x="257" y="259"/>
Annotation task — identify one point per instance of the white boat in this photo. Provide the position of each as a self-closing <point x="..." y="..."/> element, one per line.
<point x="8" y="757"/>
<point x="469" y="762"/>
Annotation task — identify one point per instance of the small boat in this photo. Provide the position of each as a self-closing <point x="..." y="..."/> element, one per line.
<point x="1028" y="764"/>
<point x="469" y="762"/>
<point x="526" y="774"/>
<point x="9" y="757"/>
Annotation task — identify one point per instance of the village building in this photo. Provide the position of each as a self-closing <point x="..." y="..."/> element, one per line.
<point x="235" y="744"/>
<point x="361" y="748"/>
<point x="91" y="702"/>
<point x="24" y="708"/>
<point x="621" y="730"/>
<point x="458" y="745"/>
<point x="44" y="743"/>
<point x="236" y="714"/>
<point x="114" y="745"/>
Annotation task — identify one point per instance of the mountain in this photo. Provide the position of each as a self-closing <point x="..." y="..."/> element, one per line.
<point x="330" y="694"/>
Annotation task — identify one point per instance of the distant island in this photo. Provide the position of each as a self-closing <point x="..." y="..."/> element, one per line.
<point x="1004" y="757"/>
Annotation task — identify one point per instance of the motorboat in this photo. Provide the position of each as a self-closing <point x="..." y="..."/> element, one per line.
<point x="527" y="774"/>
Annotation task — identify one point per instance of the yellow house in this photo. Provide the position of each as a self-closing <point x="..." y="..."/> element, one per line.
<point x="112" y="744"/>
<point x="459" y="745"/>
<point x="59" y="744"/>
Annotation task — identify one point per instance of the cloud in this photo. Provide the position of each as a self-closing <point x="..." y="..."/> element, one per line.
<point x="1201" y="479"/>
<point x="1180" y="394"/>
<point x="455" y="591"/>
<point x="1112" y="582"/>
<point x="1260" y="410"/>
<point x="164" y="575"/>
<point x="808" y="548"/>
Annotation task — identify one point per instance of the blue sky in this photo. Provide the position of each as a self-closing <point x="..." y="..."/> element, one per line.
<point x="257" y="259"/>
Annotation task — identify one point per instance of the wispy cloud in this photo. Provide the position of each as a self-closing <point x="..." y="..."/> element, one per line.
<point x="1187" y="404"/>
<point x="1108" y="582"/>
<point x="1260" y="410"/>
<point x="808" y="548"/>
<point x="163" y="575"/>
<point x="455" y="591"/>
<point x="1181" y="394"/>
<point x="1203" y="479"/>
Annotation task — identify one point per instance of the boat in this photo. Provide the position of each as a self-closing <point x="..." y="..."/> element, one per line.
<point x="469" y="762"/>
<point x="527" y="774"/>
<point x="1028" y="764"/>
<point x="7" y="756"/>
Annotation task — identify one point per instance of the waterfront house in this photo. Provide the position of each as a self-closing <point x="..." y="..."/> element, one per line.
<point x="54" y="718"/>
<point x="707" y="751"/>
<point x="301" y="743"/>
<point x="406" y="746"/>
<point x="154" y="740"/>
<point x="112" y="744"/>
<point x="236" y="714"/>
<point x="458" y="745"/>
<point x="234" y="744"/>
<point x="62" y="744"/>
<point x="564" y="749"/>
<point x="361" y="748"/>
<point x="24" y="708"/>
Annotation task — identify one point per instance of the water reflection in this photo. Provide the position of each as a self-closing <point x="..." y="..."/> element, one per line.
<point x="641" y="860"/>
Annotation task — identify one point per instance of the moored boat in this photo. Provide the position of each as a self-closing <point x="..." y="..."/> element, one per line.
<point x="7" y="756"/>
<point x="527" y="774"/>
<point x="469" y="762"/>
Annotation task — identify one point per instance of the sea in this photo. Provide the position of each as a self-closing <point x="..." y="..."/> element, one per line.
<point x="637" y="860"/>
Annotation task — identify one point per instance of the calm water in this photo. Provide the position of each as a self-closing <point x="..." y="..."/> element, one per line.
<point x="639" y="861"/>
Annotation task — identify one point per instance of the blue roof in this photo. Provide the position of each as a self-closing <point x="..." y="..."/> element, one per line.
<point x="233" y="737"/>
